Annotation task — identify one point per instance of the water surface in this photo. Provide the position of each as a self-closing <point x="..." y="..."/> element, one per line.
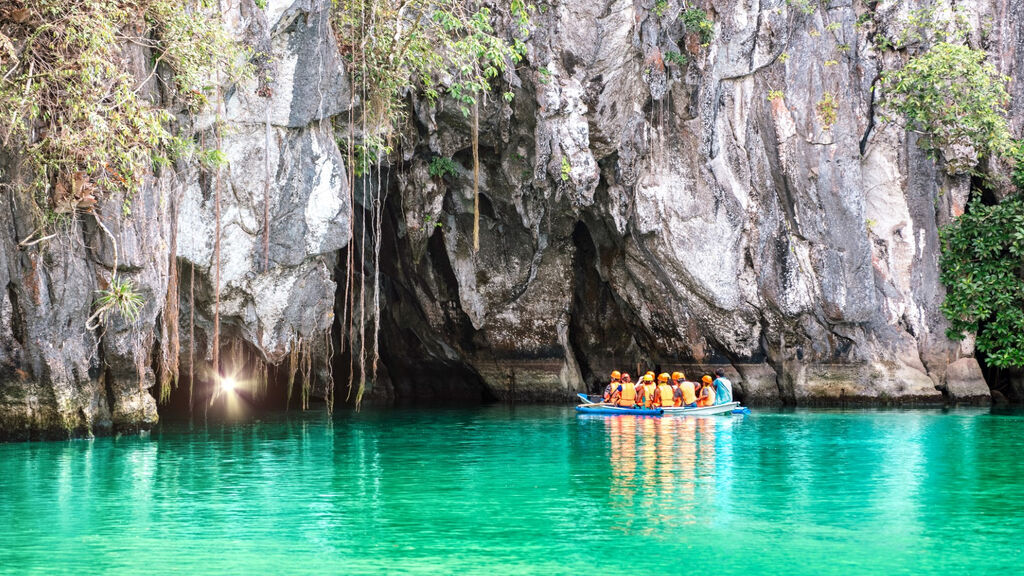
<point x="526" y="490"/>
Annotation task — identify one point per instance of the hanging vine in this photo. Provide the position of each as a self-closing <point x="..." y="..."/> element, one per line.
<point x="449" y="52"/>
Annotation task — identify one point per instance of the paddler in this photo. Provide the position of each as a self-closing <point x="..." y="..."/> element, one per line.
<point x="647" y="391"/>
<point x="616" y="380"/>
<point x="665" y="396"/>
<point x="707" y="392"/>
<point x="687" y="392"/>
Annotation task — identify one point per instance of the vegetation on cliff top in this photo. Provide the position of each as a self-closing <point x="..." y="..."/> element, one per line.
<point x="70" y="103"/>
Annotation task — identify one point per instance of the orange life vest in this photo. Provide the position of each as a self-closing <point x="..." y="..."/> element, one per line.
<point x="628" y="395"/>
<point x="649" y="395"/>
<point x="667" y="395"/>
<point x="611" y="390"/>
<point x="709" y="397"/>
<point x="689" y="395"/>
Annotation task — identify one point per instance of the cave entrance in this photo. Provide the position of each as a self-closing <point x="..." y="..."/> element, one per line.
<point x="248" y="388"/>
<point x="423" y="358"/>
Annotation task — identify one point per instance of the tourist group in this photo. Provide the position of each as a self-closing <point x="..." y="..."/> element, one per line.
<point x="669" y="391"/>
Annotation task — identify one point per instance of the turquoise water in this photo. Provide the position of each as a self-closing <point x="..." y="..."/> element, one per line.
<point x="526" y="490"/>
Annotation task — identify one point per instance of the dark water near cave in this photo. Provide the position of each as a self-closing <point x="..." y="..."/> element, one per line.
<point x="526" y="490"/>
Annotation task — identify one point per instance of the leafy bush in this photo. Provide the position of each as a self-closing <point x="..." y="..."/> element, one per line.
<point x="826" y="109"/>
<point x="952" y="95"/>
<point x="981" y="260"/>
<point x="566" y="169"/>
<point x="433" y="46"/>
<point x="67" y="102"/>
<point x="696" y="20"/>
<point x="441" y="166"/>
<point x="676" y="58"/>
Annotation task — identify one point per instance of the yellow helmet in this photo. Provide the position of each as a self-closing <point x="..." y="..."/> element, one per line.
<point x="663" y="377"/>
<point x="649" y="373"/>
<point x="706" y="379"/>
<point x="648" y="378"/>
<point x="678" y="376"/>
<point x="616" y="375"/>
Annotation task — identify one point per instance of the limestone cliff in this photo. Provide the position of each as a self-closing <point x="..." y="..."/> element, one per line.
<point x="695" y="221"/>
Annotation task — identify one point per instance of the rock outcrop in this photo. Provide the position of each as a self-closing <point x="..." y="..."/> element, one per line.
<point x="645" y="201"/>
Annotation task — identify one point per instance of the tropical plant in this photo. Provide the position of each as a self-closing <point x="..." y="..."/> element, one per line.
<point x="951" y="94"/>
<point x="696" y="20"/>
<point x="982" y="255"/>
<point x="440" y="167"/>
<point x="826" y="109"/>
<point x="675" y="58"/>
<point x="71" y="108"/>
<point x="119" y="296"/>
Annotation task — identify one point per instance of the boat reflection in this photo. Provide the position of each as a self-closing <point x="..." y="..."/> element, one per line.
<point x="663" y="469"/>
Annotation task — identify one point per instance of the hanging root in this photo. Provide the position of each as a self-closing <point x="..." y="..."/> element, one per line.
<point x="170" y="341"/>
<point x="293" y="365"/>
<point x="307" y="373"/>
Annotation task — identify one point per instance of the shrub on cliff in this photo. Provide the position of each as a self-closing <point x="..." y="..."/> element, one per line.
<point x="953" y="97"/>
<point x="70" y="105"/>
<point x="982" y="265"/>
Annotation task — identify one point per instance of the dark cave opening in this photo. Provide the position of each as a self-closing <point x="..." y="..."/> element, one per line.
<point x="420" y="362"/>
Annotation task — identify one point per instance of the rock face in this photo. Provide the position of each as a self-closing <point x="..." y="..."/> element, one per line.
<point x="56" y="377"/>
<point x="640" y="212"/>
<point x="645" y="201"/>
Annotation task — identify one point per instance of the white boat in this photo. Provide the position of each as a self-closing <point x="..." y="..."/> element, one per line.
<point x="592" y="403"/>
<point x="726" y="408"/>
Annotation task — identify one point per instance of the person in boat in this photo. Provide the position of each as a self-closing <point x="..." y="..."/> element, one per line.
<point x="723" y="388"/>
<point x="665" y="395"/>
<point x="687" y="391"/>
<point x="616" y="380"/>
<point x="625" y="394"/>
<point x="647" y="391"/>
<point x="707" y="393"/>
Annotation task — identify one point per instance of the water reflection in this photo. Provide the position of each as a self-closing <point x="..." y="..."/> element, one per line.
<point x="664" y="469"/>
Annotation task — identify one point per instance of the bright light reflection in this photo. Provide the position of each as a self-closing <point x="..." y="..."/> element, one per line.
<point x="227" y="384"/>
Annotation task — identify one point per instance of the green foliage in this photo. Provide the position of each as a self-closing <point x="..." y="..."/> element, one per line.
<point x="982" y="255"/>
<point x="212" y="158"/>
<point x="120" y="297"/>
<point x="429" y="222"/>
<point x="826" y="109"/>
<point x="784" y="57"/>
<point x="952" y="95"/>
<point x="261" y="4"/>
<point x="806" y="7"/>
<point x="696" y="20"/>
<point x="369" y="153"/>
<point x="437" y="47"/>
<point x="566" y="169"/>
<point x="545" y="75"/>
<point x="659" y="8"/>
<point x="774" y="95"/>
<point x="1016" y="154"/>
<point x="68" y="103"/>
<point x="441" y="166"/>
<point x="676" y="58"/>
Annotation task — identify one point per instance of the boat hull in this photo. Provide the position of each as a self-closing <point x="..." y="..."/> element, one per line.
<point x="596" y="409"/>
<point x="726" y="408"/>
